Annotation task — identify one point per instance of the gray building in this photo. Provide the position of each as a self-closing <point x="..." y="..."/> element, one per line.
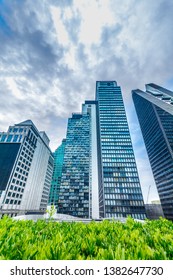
<point x="154" y="109"/>
<point x="154" y="211"/>
<point x="26" y="165"/>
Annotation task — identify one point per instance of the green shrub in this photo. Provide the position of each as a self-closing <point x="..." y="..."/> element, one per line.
<point x="107" y="240"/>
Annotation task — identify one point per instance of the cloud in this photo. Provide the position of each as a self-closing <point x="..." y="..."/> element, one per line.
<point x="52" y="52"/>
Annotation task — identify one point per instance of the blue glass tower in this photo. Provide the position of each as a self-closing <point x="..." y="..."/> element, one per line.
<point x="155" y="113"/>
<point x="57" y="174"/>
<point x="74" y="187"/>
<point x="119" y="183"/>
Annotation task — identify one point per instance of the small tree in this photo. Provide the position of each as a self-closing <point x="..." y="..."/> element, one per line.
<point x="51" y="211"/>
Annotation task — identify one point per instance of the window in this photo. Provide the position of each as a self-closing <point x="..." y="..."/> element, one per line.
<point x="20" y="138"/>
<point x="15" y="138"/>
<point x="3" y="137"/>
<point x="9" y="137"/>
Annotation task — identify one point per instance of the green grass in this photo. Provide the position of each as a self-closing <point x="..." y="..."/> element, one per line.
<point x="107" y="240"/>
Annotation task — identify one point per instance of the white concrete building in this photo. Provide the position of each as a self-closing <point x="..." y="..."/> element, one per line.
<point x="26" y="166"/>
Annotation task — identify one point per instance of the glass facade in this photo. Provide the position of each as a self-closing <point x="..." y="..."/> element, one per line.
<point x="120" y="187"/>
<point x="74" y="187"/>
<point x="99" y="175"/>
<point x="57" y="174"/>
<point x="8" y="154"/>
<point x="154" y="109"/>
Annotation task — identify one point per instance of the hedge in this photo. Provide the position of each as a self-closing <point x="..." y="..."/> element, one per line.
<point x="106" y="240"/>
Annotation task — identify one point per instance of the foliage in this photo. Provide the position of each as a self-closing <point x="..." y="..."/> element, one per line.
<point x="107" y="240"/>
<point x="51" y="211"/>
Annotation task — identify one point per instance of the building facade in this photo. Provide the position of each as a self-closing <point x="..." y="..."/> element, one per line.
<point x="155" y="113"/>
<point x="57" y="174"/>
<point x="154" y="211"/>
<point x="74" y="187"/>
<point x="26" y="165"/>
<point x="120" y="186"/>
<point x="99" y="174"/>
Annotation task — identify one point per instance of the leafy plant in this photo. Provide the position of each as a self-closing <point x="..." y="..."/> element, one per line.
<point x="106" y="240"/>
<point x="51" y="211"/>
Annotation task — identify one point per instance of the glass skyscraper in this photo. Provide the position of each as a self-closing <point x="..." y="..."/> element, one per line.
<point x="155" y="113"/>
<point x="78" y="194"/>
<point x="57" y="174"/>
<point x="119" y="185"/>
<point x="74" y="187"/>
<point x="99" y="174"/>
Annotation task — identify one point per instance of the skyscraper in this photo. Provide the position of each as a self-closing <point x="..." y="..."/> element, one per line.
<point x="57" y="174"/>
<point x="26" y="165"/>
<point x="99" y="174"/>
<point x="120" y="186"/>
<point x="155" y="113"/>
<point x="74" y="187"/>
<point x="78" y="194"/>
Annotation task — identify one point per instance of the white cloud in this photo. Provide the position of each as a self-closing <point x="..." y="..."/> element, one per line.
<point x="14" y="89"/>
<point x="52" y="52"/>
<point x="62" y="35"/>
<point x="95" y="15"/>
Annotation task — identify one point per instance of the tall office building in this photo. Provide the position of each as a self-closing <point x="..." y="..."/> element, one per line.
<point x="78" y="190"/>
<point x="120" y="188"/>
<point x="155" y="113"/>
<point x="74" y="188"/>
<point x="99" y="174"/>
<point x="26" y="165"/>
<point x="57" y="174"/>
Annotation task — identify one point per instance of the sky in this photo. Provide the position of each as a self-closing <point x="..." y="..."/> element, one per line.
<point x="52" y="52"/>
